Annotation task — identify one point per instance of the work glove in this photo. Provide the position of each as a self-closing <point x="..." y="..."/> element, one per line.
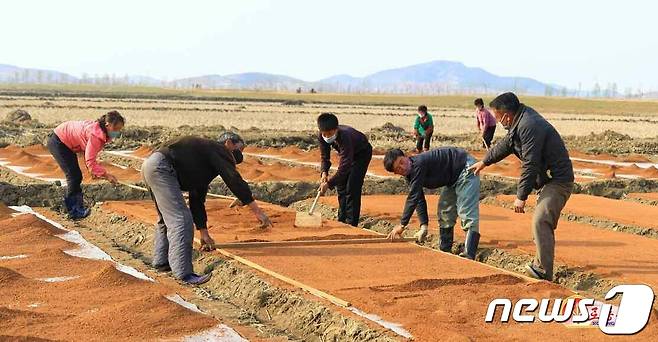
<point x="421" y="234"/>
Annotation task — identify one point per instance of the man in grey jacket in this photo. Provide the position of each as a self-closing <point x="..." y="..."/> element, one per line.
<point x="545" y="166"/>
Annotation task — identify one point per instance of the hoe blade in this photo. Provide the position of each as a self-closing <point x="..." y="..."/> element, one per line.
<point x="304" y="220"/>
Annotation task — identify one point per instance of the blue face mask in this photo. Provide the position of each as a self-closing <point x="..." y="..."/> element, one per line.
<point x="113" y="134"/>
<point x="331" y="139"/>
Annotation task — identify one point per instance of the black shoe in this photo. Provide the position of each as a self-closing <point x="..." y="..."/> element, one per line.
<point x="446" y="238"/>
<point x="193" y="279"/>
<point x="533" y="271"/>
<point x="77" y="211"/>
<point x="69" y="203"/>
<point x="471" y="245"/>
<point x="163" y="268"/>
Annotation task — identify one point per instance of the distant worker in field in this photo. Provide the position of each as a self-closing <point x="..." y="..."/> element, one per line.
<point x="446" y="168"/>
<point x="486" y="123"/>
<point x="189" y="164"/>
<point x="355" y="153"/>
<point x="423" y="129"/>
<point x="545" y="166"/>
<point x="88" y="137"/>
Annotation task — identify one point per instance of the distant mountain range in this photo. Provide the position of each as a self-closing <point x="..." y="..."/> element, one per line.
<point x="438" y="77"/>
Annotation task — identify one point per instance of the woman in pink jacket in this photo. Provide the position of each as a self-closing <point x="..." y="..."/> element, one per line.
<point x="88" y="137"/>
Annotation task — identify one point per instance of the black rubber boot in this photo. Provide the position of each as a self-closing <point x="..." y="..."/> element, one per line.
<point x="445" y="239"/>
<point x="471" y="245"/>
<point x="78" y="210"/>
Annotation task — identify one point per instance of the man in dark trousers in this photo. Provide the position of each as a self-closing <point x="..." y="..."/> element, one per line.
<point x="190" y="164"/>
<point x="545" y="166"/>
<point x="355" y="153"/>
<point x="445" y="168"/>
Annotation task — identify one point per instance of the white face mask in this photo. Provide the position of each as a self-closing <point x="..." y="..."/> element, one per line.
<point x="331" y="139"/>
<point x="420" y="115"/>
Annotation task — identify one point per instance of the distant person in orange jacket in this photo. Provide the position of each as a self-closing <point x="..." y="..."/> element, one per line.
<point x="88" y="137"/>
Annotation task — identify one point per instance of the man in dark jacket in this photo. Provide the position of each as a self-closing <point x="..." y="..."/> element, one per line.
<point x="190" y="164"/>
<point x="355" y="153"/>
<point x="545" y="166"/>
<point x="445" y="168"/>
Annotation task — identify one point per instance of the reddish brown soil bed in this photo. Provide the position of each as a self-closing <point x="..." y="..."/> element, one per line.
<point x="433" y="295"/>
<point x="624" y="212"/>
<point x="255" y="170"/>
<point x="616" y="255"/>
<point x="649" y="196"/>
<point x="37" y="161"/>
<point x="96" y="303"/>
<point x="509" y="167"/>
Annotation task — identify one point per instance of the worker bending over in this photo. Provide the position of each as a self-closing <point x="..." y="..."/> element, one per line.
<point x="445" y="168"/>
<point x="189" y="164"/>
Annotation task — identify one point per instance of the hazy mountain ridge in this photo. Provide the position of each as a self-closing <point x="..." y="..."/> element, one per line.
<point x="437" y="77"/>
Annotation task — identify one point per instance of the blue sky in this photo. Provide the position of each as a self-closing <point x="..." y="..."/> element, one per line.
<point x="563" y="42"/>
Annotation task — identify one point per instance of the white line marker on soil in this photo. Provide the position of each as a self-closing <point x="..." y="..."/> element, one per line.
<point x="220" y="332"/>
<point x="12" y="257"/>
<point x="85" y="249"/>
<point x="176" y="298"/>
<point x="58" y="279"/>
<point x="395" y="327"/>
<point x="21" y="171"/>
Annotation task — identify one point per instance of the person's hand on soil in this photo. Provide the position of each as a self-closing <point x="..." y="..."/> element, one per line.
<point x="519" y="206"/>
<point x="111" y="178"/>
<point x="477" y="168"/>
<point x="207" y="243"/>
<point x="265" y="221"/>
<point x="260" y="215"/>
<point x="396" y="233"/>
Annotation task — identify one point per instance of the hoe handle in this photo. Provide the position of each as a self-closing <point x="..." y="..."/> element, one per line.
<point x="485" y="143"/>
<point x="315" y="201"/>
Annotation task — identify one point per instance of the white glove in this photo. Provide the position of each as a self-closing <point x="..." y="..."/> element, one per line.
<point x="421" y="234"/>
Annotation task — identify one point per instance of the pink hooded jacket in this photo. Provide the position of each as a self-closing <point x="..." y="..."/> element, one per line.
<point x="84" y="136"/>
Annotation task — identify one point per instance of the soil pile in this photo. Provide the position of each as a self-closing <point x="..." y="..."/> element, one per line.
<point x="5" y="212"/>
<point x="36" y="161"/>
<point x="651" y="172"/>
<point x="389" y="128"/>
<point x="18" y="116"/>
<point x="46" y="293"/>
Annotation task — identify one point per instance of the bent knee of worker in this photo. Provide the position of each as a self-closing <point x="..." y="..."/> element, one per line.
<point x="182" y="231"/>
<point x="542" y="221"/>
